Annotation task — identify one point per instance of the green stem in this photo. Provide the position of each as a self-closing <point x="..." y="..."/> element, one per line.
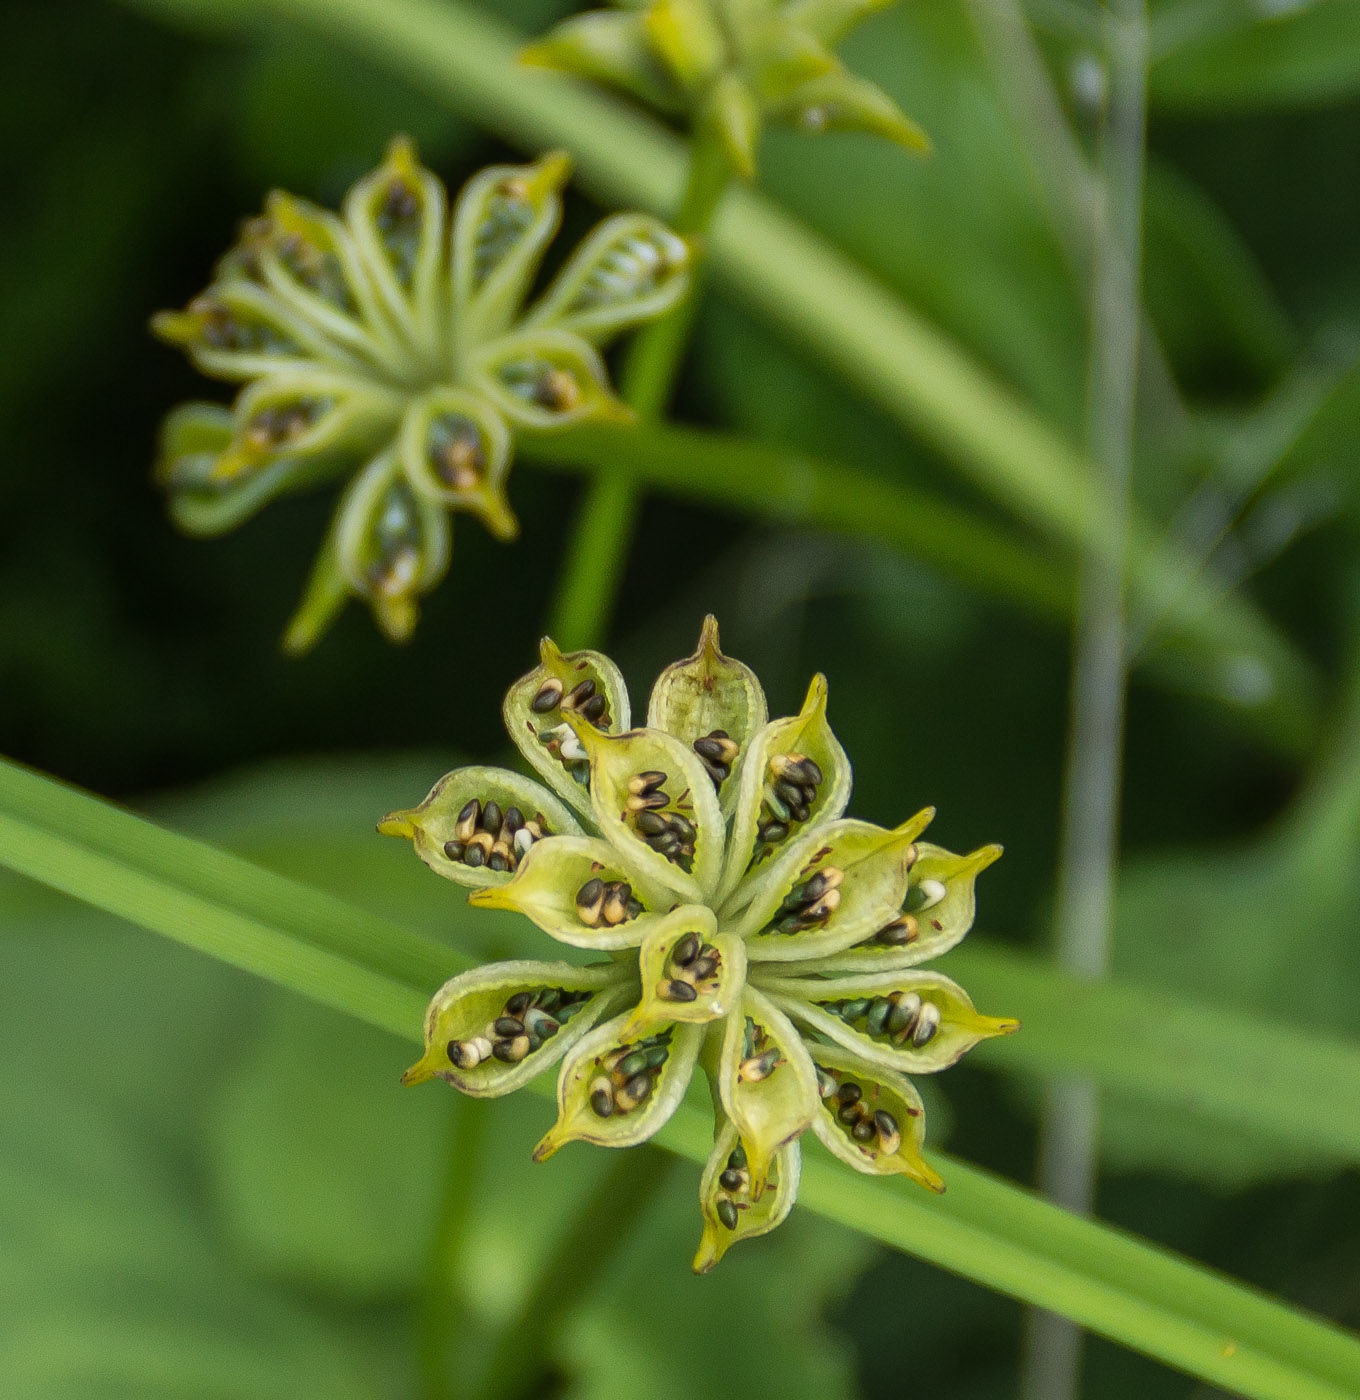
<point x="439" y="1319"/>
<point x="597" y="553"/>
<point x="1069" y="1137"/>
<point x="582" y="1256"/>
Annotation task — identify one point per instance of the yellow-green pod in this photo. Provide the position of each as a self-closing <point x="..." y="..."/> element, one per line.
<point x="871" y="1118"/>
<point x="490" y="1030"/>
<point x="478" y="826"/>
<point x="616" y="1089"/>
<point x="913" y="1021"/>
<point x="828" y="887"/>
<point x="545" y="380"/>
<point x="652" y="799"/>
<point x="803" y="755"/>
<point x="455" y="452"/>
<point x="503" y="220"/>
<point x="730" y="1211"/>
<point x="766" y="1081"/>
<point x="712" y="703"/>
<point x="578" y="890"/>
<point x="396" y="217"/>
<point x="937" y="912"/>
<point x="630" y="269"/>
<point x="689" y="971"/>
<point x="587" y="683"/>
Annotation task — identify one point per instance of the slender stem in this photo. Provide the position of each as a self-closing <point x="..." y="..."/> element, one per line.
<point x="583" y="1254"/>
<point x="1069" y="1148"/>
<point x="597" y="552"/>
<point x="439" y="1319"/>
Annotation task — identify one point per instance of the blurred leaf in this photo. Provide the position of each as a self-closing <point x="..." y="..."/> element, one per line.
<point x="323" y="1173"/>
<point x="1204" y="290"/>
<point x="1235" y="55"/>
<point x="984" y="1228"/>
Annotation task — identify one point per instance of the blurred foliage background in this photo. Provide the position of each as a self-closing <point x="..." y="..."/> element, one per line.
<point x="209" y="1188"/>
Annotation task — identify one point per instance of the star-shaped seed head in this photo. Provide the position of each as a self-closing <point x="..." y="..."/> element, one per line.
<point x="728" y="67"/>
<point x="390" y="347"/>
<point x="741" y="924"/>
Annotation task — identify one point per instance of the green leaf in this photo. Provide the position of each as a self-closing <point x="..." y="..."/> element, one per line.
<point x="1237" y="57"/>
<point x="983" y="1228"/>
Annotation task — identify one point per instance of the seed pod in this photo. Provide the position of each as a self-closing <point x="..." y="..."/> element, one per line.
<point x="469" y="1040"/>
<point x="555" y="887"/>
<point x="931" y="1022"/>
<point x="932" y="931"/>
<point x="886" y="1132"/>
<point x="451" y="812"/>
<point x="587" y="1062"/>
<point x="857" y="873"/>
<point x="776" y="1105"/>
<point x="705" y="695"/>
<point x="731" y="1212"/>
<point x="532" y="729"/>
<point x="806" y="733"/>
<point x="629" y="269"/>
<point x="672" y="992"/>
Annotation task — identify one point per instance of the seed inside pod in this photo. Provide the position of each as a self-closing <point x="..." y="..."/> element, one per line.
<point x="526" y="1021"/>
<point x="454" y="448"/>
<point x="628" y="1075"/>
<point x="717" y="751"/>
<point x="548" y="697"/>
<point x="486" y="836"/>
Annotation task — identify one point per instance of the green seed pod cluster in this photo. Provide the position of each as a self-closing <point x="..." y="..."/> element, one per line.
<point x="742" y="924"/>
<point x="731" y="66"/>
<point x="390" y="346"/>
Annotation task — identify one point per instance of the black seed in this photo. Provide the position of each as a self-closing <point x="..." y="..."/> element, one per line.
<point x="650" y="824"/>
<point x="638" y="1087"/>
<point x="519" y="1004"/>
<point x="602" y="1101"/>
<point x="683" y="827"/>
<point x="453" y="849"/>
<point x="647" y="781"/>
<point x="548" y="697"/>
<point x="850" y="1112"/>
<point x="471" y="812"/>
<point x="731" y="1180"/>
<point x="594" y="708"/>
<point x="886" y="1125"/>
<point x="686" y="950"/>
<point x="774" y="831"/>
<point x="709" y="747"/>
<point x="589" y="900"/>
<point x="850" y="1092"/>
<point x="474" y="856"/>
<point x="509" y="1026"/>
<point x="703" y="967"/>
<point x="497" y="861"/>
<point x="787" y="792"/>
<point x="810" y="772"/>
<point x="737" y="1158"/>
<point x="727" y="1213"/>
<point x="512" y="821"/>
<point x="491" y="818"/>
<point x="676" y="990"/>
<point x="864" y="1131"/>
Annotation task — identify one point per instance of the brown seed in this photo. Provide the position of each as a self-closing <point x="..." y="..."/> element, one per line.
<point x="590" y="901"/>
<point x="889" y="1135"/>
<point x="676" y="990"/>
<point x="615" y="907"/>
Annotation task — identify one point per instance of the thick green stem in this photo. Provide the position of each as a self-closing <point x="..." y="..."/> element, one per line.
<point x="1069" y="1147"/>
<point x="597" y="553"/>
<point x="583" y="1254"/>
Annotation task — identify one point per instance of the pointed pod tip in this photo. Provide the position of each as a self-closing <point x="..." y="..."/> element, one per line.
<point x="491" y="897"/>
<point x="816" y="695"/>
<point x="550" y="1143"/>
<point x="398" y="824"/>
<point x="985" y="856"/>
<point x="420" y="1072"/>
<point x="708" y="637"/>
<point x="552" y="170"/>
<point x="549" y="653"/>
